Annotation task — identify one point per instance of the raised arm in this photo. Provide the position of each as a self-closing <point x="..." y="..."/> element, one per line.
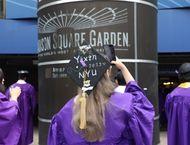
<point x="126" y="74"/>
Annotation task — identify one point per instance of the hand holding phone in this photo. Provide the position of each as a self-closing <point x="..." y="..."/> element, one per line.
<point x="110" y="52"/>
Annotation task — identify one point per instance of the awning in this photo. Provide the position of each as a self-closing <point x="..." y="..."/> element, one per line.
<point x="18" y="36"/>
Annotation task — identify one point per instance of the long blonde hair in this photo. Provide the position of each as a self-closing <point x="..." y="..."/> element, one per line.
<point x="95" y="109"/>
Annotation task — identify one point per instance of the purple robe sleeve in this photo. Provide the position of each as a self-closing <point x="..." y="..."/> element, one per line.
<point x="142" y="116"/>
<point x="167" y="105"/>
<point x="7" y="94"/>
<point x="10" y="127"/>
<point x="8" y="110"/>
<point x="56" y="135"/>
<point x="33" y="98"/>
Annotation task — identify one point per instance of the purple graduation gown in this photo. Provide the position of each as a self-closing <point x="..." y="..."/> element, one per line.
<point x="178" y="113"/>
<point x="129" y="121"/>
<point x="26" y="102"/>
<point x="10" y="121"/>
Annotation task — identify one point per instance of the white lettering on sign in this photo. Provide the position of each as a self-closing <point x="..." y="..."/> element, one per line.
<point x="72" y="40"/>
<point x="44" y="44"/>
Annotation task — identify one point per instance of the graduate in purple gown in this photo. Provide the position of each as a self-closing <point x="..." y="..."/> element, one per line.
<point x="10" y="119"/>
<point x="103" y="116"/>
<point x="178" y="109"/>
<point x="27" y="103"/>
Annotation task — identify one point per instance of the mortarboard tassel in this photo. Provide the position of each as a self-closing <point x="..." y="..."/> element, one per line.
<point x="82" y="101"/>
<point x="83" y="111"/>
<point x="185" y="85"/>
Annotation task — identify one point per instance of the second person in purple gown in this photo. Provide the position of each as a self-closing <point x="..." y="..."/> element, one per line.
<point x="27" y="103"/>
<point x="178" y="109"/>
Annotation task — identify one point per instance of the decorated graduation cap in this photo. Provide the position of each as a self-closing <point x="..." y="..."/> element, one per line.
<point x="86" y="68"/>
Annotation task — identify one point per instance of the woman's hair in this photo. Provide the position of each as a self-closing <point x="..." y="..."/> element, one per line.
<point x="95" y="109"/>
<point x="2" y="87"/>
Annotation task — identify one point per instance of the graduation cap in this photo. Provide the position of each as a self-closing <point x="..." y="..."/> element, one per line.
<point x="184" y="72"/>
<point x="87" y="67"/>
<point x="23" y="72"/>
<point x="184" y="68"/>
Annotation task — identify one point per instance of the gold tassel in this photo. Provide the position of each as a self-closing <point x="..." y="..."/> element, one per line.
<point x="185" y="85"/>
<point x="83" y="111"/>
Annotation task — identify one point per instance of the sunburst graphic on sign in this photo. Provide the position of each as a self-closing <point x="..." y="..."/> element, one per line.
<point x="83" y="19"/>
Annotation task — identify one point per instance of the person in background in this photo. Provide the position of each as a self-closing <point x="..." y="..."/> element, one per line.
<point x="27" y="104"/>
<point x="105" y="117"/>
<point x="177" y="108"/>
<point x="10" y="119"/>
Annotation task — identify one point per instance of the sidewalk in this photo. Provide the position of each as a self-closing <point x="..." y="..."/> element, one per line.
<point x="35" y="137"/>
<point x="163" y="138"/>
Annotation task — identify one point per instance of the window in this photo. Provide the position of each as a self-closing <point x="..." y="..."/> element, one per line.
<point x="2" y="8"/>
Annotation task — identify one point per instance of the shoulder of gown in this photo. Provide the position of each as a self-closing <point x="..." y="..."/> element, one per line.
<point x="140" y="112"/>
<point x="132" y="98"/>
<point x="10" y="122"/>
<point x="56" y="133"/>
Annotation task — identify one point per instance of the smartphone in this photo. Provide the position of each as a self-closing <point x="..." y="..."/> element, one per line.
<point x="109" y="51"/>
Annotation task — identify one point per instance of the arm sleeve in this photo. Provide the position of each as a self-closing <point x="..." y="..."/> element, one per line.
<point x="141" y="116"/>
<point x="167" y="105"/>
<point x="9" y="122"/>
<point x="8" y="110"/>
<point x="56" y="135"/>
<point x="33" y="98"/>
